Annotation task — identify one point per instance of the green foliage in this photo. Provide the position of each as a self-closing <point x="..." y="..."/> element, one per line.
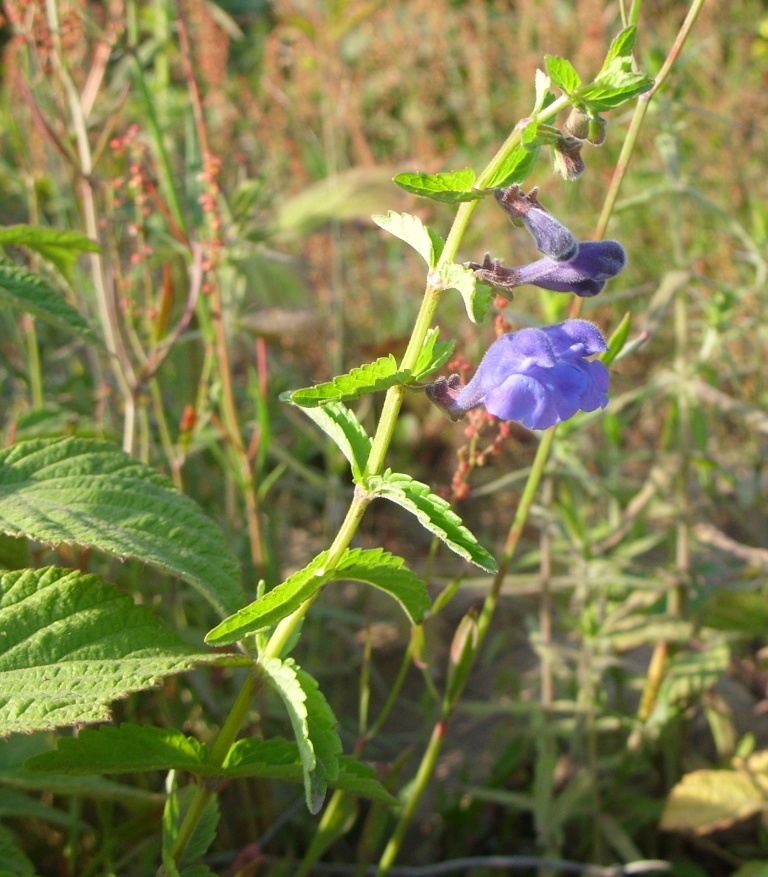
<point x="338" y="422"/>
<point x="374" y="566"/>
<point x="451" y="187"/>
<point x="477" y="296"/>
<point x="413" y="231"/>
<point x="71" y="644"/>
<point x="87" y="492"/>
<point x="369" y="378"/>
<point x="433" y="513"/>
<point x="27" y="291"/>
<point x="61" y="248"/>
<point x="313" y="725"/>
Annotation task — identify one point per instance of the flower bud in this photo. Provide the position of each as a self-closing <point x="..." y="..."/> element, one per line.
<point x="577" y="124"/>
<point x="566" y="157"/>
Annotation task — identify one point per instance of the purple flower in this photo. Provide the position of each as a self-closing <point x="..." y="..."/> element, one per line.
<point x="568" y="266"/>
<point x="536" y="376"/>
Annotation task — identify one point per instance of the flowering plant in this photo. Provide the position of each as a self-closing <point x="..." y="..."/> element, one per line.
<point x="537" y="376"/>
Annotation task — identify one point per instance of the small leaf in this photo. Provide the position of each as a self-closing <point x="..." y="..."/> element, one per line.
<point x="360" y="779"/>
<point x="413" y="231"/>
<point x="562" y="73"/>
<point x="389" y="573"/>
<point x="30" y="293"/>
<point x="88" y="492"/>
<point x="434" y="513"/>
<point x="370" y="378"/>
<point x="338" y="422"/>
<point x="59" y="247"/>
<point x="71" y="644"/>
<point x="313" y="725"/>
<point x="621" y="46"/>
<point x="125" y="749"/>
<point x="373" y="566"/>
<point x="689" y="674"/>
<point x="433" y="355"/>
<point x="516" y="168"/>
<point x="614" y="87"/>
<point x="544" y="96"/>
<point x="477" y="296"/>
<point x="617" y="340"/>
<point x="274" y="605"/>
<point x="707" y="800"/>
<point x="450" y="187"/>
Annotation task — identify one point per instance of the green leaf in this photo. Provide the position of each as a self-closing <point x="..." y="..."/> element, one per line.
<point x="13" y="860"/>
<point x="706" y="800"/>
<point x="30" y="293"/>
<point x="413" y="231"/>
<point x="177" y="804"/>
<point x="477" y="296"/>
<point x="277" y="758"/>
<point x="516" y="168"/>
<point x="544" y="96"/>
<point x="126" y="749"/>
<point x="59" y="247"/>
<point x="88" y="492"/>
<point x="313" y="726"/>
<point x="373" y="566"/>
<point x="338" y="422"/>
<point x="433" y="355"/>
<point x="71" y="644"/>
<point x="614" y="87"/>
<point x="274" y="605"/>
<point x="369" y="378"/>
<point x="434" y="513"/>
<point x="739" y="612"/>
<point x="562" y="73"/>
<point x="689" y="674"/>
<point x="389" y="573"/>
<point x="621" y="46"/>
<point x="450" y="187"/>
<point x="617" y="340"/>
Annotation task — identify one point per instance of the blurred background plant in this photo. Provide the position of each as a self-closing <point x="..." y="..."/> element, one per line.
<point x="228" y="158"/>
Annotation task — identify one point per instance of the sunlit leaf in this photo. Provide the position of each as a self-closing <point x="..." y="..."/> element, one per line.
<point x="451" y="187"/>
<point x="477" y="296"/>
<point x="413" y="231"/>
<point x="338" y="422"/>
<point x="369" y="378"/>
<point x="707" y="800"/>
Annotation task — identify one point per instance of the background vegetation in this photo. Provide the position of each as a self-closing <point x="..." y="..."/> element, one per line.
<point x="257" y="139"/>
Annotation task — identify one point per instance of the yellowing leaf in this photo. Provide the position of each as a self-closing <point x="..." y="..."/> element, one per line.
<point x="706" y="800"/>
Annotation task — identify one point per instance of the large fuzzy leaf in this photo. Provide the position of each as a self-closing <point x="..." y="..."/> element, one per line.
<point x="71" y="644"/>
<point x="87" y="492"/>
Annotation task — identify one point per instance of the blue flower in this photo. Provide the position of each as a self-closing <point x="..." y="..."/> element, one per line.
<point x="537" y="376"/>
<point x="568" y="265"/>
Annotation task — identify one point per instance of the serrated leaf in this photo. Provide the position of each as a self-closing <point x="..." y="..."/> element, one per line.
<point x="451" y="187"/>
<point x="341" y="425"/>
<point x="389" y="573"/>
<point x="621" y="46"/>
<point x="71" y="644"/>
<point x="614" y="88"/>
<point x="88" y="492"/>
<point x="25" y="290"/>
<point x="277" y="758"/>
<point x="60" y="247"/>
<point x="477" y="296"/>
<point x="286" y="597"/>
<point x="562" y="73"/>
<point x="516" y="168"/>
<point x="433" y="355"/>
<point x="360" y="779"/>
<point x="126" y="749"/>
<point x="274" y="605"/>
<point x="707" y="800"/>
<point x="370" y="378"/>
<point x="413" y="231"/>
<point x="313" y="726"/>
<point x="434" y="513"/>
